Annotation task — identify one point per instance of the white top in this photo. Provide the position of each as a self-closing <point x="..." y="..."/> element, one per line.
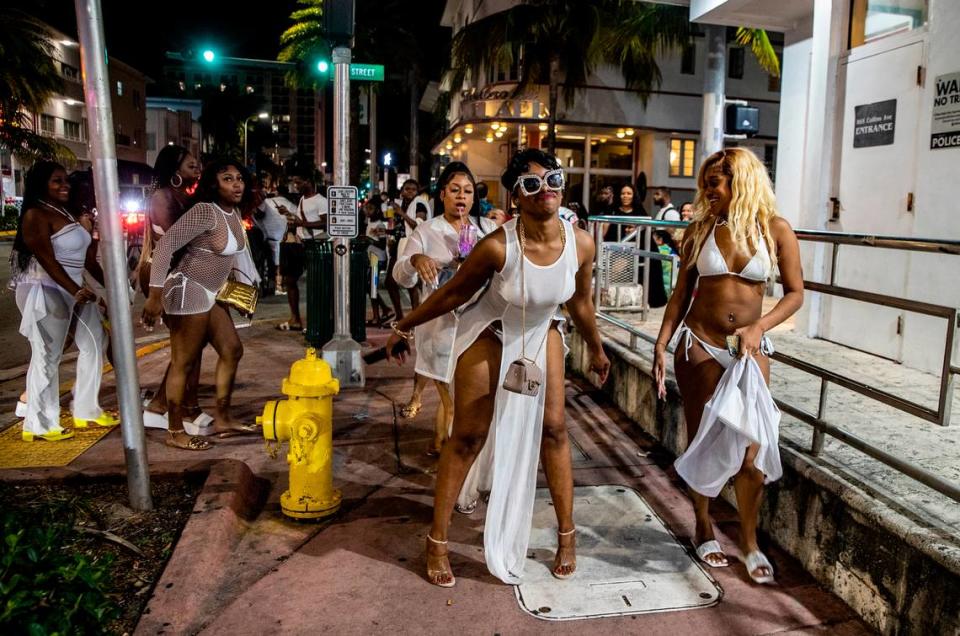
<point x="437" y="239"/>
<point x="668" y="213"/>
<point x="312" y="209"/>
<point x="274" y="223"/>
<point x="515" y="431"/>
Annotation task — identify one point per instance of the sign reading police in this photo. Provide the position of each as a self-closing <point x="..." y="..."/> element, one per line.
<point x="945" y="126"/>
<point x="343" y="210"/>
<point x="874" y="124"/>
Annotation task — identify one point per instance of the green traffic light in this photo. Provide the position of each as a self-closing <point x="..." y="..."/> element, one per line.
<point x="323" y="66"/>
<point x="209" y="56"/>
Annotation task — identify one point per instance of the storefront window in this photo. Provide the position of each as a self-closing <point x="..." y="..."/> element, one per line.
<point x="570" y="153"/>
<point x="612" y="155"/>
<point x="875" y="19"/>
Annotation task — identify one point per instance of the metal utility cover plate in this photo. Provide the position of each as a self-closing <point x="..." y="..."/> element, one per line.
<point x="628" y="562"/>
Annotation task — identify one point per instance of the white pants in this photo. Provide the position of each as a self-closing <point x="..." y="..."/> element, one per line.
<point x="47" y="312"/>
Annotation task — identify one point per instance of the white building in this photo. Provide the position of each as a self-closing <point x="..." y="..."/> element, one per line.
<point x="870" y="120"/>
<point x="607" y="137"/>
<point x="172" y="121"/>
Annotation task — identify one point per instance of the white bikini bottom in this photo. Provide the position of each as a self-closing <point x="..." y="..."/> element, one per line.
<point x="720" y="354"/>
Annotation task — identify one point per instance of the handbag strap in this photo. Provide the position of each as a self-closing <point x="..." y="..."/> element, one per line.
<point x="523" y="285"/>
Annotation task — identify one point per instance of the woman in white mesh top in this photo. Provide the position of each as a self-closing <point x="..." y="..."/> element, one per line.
<point x="205" y="241"/>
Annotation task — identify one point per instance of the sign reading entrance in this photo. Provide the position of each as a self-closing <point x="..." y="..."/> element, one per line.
<point x="945" y="127"/>
<point x="344" y="209"/>
<point x="366" y="72"/>
<point x="874" y="124"/>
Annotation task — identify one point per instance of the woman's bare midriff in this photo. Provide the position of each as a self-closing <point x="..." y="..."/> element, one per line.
<point x="722" y="305"/>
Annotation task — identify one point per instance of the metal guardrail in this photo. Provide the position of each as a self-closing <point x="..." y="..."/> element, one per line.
<point x="821" y="428"/>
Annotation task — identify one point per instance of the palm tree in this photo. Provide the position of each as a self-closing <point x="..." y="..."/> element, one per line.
<point x="561" y="42"/>
<point x="28" y="78"/>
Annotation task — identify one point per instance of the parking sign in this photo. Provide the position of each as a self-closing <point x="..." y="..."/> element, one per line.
<point x="343" y="208"/>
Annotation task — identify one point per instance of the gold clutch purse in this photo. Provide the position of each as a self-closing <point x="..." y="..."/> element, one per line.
<point x="240" y="296"/>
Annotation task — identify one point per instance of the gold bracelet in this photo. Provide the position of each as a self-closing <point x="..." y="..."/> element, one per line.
<point x="406" y="335"/>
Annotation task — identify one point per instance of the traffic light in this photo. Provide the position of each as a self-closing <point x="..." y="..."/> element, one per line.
<point x="323" y="66"/>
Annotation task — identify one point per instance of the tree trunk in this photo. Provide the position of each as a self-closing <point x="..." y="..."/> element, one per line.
<point x="554" y="93"/>
<point x="414" y="130"/>
<point x="714" y="78"/>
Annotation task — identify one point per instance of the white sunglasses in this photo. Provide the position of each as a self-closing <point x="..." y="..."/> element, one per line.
<point x="531" y="184"/>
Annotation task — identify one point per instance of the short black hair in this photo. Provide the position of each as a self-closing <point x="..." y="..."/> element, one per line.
<point x="208" y="187"/>
<point x="409" y="181"/>
<point x="482" y="190"/>
<point x="520" y="164"/>
<point x="663" y="189"/>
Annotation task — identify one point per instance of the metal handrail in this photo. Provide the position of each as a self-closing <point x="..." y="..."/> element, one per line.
<point x="822" y="428"/>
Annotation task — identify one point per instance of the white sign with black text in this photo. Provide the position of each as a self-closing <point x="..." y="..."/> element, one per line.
<point x="945" y="126"/>
<point x="344" y="209"/>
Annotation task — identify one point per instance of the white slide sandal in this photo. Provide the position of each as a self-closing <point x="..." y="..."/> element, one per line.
<point x="756" y="560"/>
<point x="712" y="547"/>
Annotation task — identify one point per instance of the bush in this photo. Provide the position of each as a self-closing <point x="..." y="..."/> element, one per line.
<point x="46" y="586"/>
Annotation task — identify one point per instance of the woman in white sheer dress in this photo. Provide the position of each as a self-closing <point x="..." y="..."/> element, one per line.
<point x="530" y="266"/>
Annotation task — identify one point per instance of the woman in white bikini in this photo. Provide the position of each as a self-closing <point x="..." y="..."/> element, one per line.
<point x="175" y="172"/>
<point x="728" y="254"/>
<point x="210" y="235"/>
<point x="530" y="266"/>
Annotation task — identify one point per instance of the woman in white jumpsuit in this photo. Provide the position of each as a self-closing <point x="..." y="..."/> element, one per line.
<point x="530" y="266"/>
<point x="52" y="250"/>
<point x="728" y="253"/>
<point x="432" y="254"/>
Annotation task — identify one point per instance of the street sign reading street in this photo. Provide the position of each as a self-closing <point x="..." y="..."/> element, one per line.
<point x="343" y="209"/>
<point x="366" y="72"/>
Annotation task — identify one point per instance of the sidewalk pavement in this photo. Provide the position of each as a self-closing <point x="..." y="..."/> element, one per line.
<point x="935" y="448"/>
<point x="240" y="567"/>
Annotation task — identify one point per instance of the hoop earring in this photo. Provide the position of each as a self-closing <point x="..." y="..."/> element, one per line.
<point x="178" y="178"/>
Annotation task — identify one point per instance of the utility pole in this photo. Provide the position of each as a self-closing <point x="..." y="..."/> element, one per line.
<point x="103" y="151"/>
<point x="372" y="115"/>
<point x="414" y="129"/>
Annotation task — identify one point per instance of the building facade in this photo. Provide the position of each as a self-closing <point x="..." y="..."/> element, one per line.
<point x="64" y="116"/>
<point x="171" y="122"/>
<point x="295" y="115"/>
<point x="608" y="136"/>
<point x="870" y="134"/>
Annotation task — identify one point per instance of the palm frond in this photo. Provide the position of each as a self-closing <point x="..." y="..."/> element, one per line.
<point x="762" y="49"/>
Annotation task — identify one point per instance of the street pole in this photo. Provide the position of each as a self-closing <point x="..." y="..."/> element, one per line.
<point x="342" y="352"/>
<point x="96" y="90"/>
<point x="414" y="131"/>
<point x="374" y="177"/>
<point x="714" y="87"/>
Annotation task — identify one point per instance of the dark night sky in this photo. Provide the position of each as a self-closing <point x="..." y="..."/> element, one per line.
<point x="139" y="33"/>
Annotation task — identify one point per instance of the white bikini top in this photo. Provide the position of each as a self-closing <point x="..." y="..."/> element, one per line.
<point x="710" y="262"/>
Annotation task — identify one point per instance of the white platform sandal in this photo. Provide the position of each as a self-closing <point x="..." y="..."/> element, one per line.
<point x="756" y="560"/>
<point x="707" y="548"/>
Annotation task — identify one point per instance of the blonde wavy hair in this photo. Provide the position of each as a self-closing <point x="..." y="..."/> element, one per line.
<point x="752" y="204"/>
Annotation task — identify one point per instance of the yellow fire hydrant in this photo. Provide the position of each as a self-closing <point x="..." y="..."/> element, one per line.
<point x="306" y="421"/>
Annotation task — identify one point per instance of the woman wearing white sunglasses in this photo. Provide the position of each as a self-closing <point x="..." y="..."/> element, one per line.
<point x="507" y="341"/>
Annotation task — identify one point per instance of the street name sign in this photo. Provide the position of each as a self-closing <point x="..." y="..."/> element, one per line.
<point x="343" y="209"/>
<point x="366" y="72"/>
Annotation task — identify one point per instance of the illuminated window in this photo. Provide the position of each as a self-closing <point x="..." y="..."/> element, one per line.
<point x="119" y="88"/>
<point x="875" y="19"/>
<point x="683" y="153"/>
